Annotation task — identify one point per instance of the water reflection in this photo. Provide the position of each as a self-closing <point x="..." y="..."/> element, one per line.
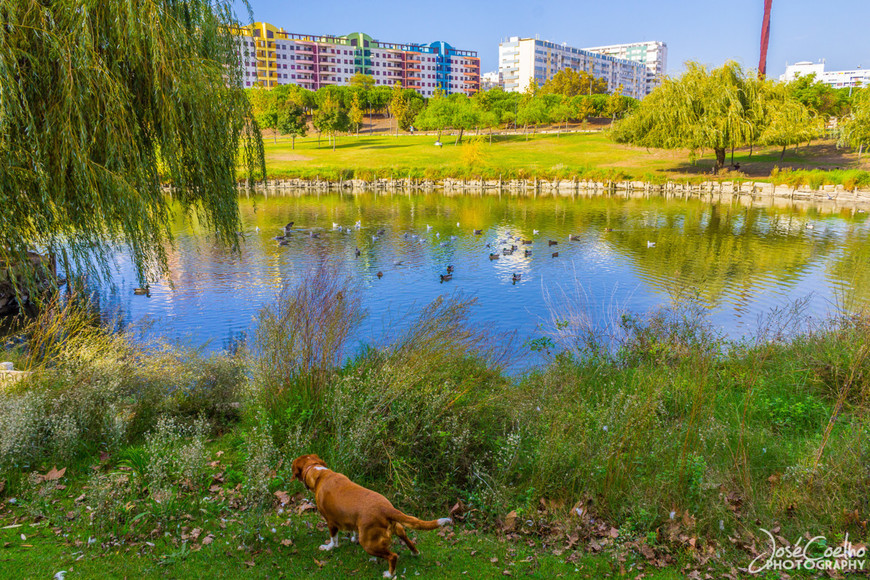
<point x="741" y="261"/>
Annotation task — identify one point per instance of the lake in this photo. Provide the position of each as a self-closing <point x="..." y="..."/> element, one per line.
<point x="631" y="254"/>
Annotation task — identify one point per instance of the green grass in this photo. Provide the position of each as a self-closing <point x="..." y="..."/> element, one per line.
<point x="582" y="155"/>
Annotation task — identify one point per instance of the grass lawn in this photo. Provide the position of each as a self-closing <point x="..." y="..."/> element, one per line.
<point x="463" y="553"/>
<point x="542" y="156"/>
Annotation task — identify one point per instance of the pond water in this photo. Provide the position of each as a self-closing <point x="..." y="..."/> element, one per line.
<point x="632" y="254"/>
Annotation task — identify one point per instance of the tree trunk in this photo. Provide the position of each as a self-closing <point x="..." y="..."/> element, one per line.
<point x="720" y="158"/>
<point x="293" y="142"/>
<point x="782" y="154"/>
<point x="751" y="146"/>
<point x="275" y="134"/>
<point x="333" y="141"/>
<point x="490" y="135"/>
<point x="459" y="137"/>
<point x="732" y="155"/>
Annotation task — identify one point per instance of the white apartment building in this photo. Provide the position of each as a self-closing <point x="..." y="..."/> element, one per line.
<point x="489" y="80"/>
<point x="837" y="79"/>
<point x="653" y="54"/>
<point x="520" y="60"/>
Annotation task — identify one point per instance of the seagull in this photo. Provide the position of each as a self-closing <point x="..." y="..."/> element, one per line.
<point x="457" y="224"/>
<point x="335" y="225"/>
<point x="437" y="235"/>
<point x="374" y="238"/>
<point x="650" y="244"/>
<point x="535" y="232"/>
<point x="452" y="237"/>
<point x="428" y="227"/>
<point x="810" y="226"/>
<point x="397" y="263"/>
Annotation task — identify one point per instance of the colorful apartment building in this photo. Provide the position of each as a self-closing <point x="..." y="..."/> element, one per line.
<point x="271" y="56"/>
<point x="521" y="60"/>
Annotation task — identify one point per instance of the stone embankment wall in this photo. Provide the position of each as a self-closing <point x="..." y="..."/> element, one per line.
<point x="711" y="190"/>
<point x="9" y="375"/>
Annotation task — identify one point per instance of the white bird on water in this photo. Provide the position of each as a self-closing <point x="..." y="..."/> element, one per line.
<point x="535" y="232"/>
<point x="650" y="244"/>
<point x="437" y="235"/>
<point x="358" y="224"/>
<point x="457" y="224"/>
<point x="428" y="227"/>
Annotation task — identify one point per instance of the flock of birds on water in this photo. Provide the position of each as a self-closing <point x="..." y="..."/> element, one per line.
<point x="512" y="244"/>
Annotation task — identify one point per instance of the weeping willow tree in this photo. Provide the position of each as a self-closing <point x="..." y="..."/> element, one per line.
<point x="856" y="128"/>
<point x="699" y="110"/>
<point x="102" y="101"/>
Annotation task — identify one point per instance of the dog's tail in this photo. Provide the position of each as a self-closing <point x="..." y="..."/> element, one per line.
<point x="417" y="524"/>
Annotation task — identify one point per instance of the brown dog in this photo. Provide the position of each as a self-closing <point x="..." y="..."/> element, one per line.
<point x="353" y="508"/>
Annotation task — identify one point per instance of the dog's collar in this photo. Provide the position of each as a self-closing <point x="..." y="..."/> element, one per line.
<point x="305" y="473"/>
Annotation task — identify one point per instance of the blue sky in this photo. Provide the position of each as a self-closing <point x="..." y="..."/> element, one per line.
<point x="708" y="32"/>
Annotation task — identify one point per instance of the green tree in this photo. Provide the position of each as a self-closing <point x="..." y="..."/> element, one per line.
<point x="437" y="115"/>
<point x="355" y="113"/>
<point x="570" y="83"/>
<point x="404" y="106"/>
<point x="856" y="128"/>
<point x="818" y="97"/>
<point x="362" y="81"/>
<point x="786" y="121"/>
<point x="466" y="115"/>
<point x="100" y="103"/>
<point x="700" y="110"/>
<point x="562" y="113"/>
<point x="292" y="121"/>
<point x="331" y="117"/>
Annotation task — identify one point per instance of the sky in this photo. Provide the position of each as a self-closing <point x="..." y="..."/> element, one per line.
<point x="699" y="30"/>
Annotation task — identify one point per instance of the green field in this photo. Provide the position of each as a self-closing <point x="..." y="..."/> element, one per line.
<point x="543" y="156"/>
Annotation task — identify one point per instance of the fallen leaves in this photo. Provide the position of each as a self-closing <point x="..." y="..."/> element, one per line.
<point x="53" y="475"/>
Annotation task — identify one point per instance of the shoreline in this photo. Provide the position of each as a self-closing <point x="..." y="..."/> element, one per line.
<point x="834" y="197"/>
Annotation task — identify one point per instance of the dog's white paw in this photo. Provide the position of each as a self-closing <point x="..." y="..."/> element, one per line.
<point x="445" y="522"/>
<point x="387" y="574"/>
<point x="326" y="547"/>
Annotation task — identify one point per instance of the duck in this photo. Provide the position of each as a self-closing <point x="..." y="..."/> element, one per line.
<point x="516" y="277"/>
<point x="283" y="243"/>
<point x="552" y="243"/>
<point x="513" y="247"/>
<point x="443" y="244"/>
<point x="478" y="232"/>
<point x="528" y="253"/>
<point x="650" y="244"/>
<point x="527" y="242"/>
<point x="380" y="274"/>
<point x="449" y="269"/>
<point x="810" y="226"/>
<point x="146" y="291"/>
<point x="446" y="277"/>
<point x="507" y="252"/>
<point x="357" y="252"/>
<point x="382" y="231"/>
<point x="397" y="263"/>
<point x="608" y="229"/>
<point x="278" y="238"/>
<point x="289" y="225"/>
<point x="358" y="224"/>
<point x="313" y="235"/>
<point x="374" y="238"/>
<point x="555" y="255"/>
<point x="573" y="238"/>
<point x="493" y="256"/>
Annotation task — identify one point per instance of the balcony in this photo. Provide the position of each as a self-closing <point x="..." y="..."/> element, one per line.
<point x="392" y="56"/>
<point x="306" y="48"/>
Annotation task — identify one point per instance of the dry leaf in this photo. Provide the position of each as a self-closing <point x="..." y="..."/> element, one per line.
<point x="283" y="498"/>
<point x="207" y="540"/>
<point x="53" y="475"/>
<point x="614" y="533"/>
<point x="494" y="560"/>
<point x="286" y="542"/>
<point x="510" y="521"/>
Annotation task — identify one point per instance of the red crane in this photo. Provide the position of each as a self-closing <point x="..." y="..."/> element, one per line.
<point x="765" y="38"/>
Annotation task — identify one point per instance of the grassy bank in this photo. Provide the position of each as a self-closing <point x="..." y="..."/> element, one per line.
<point x="580" y="155"/>
<point x="654" y="444"/>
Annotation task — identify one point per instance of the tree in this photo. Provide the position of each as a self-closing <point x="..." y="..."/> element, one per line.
<point x="570" y="83"/>
<point x="437" y="115"/>
<point x="361" y="81"/>
<point x="292" y="121"/>
<point x="330" y="117"/>
<point x="818" y="97"/>
<point x="355" y="113"/>
<point x="701" y="109"/>
<point x="404" y="106"/>
<point x="466" y="115"/>
<point x="100" y="103"/>
<point x="856" y="129"/>
<point x="561" y="113"/>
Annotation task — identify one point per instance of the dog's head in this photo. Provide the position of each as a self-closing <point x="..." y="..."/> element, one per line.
<point x="302" y="464"/>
